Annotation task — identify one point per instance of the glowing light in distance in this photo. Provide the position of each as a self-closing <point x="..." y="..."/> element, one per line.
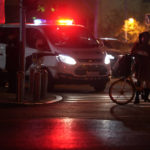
<point x="131" y="20"/>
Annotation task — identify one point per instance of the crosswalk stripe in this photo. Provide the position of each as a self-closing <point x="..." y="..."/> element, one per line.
<point x="86" y="101"/>
<point x="90" y="99"/>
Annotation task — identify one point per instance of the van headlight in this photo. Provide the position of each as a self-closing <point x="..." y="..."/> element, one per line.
<point x="67" y="59"/>
<point x="108" y="57"/>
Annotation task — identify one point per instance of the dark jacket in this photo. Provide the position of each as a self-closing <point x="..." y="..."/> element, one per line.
<point x="142" y="61"/>
<point x="12" y="56"/>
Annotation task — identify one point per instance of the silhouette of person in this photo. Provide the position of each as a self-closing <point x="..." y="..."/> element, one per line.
<point x="141" y="51"/>
<point x="12" y="61"/>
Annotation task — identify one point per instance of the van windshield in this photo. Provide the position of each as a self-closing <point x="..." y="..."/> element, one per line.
<point x="70" y="36"/>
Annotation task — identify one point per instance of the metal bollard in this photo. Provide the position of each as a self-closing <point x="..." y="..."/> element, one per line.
<point x="31" y="78"/>
<point x="20" y="86"/>
<point x="44" y="83"/>
<point x="37" y="85"/>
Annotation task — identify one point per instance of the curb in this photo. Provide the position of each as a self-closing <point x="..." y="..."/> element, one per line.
<point x="57" y="98"/>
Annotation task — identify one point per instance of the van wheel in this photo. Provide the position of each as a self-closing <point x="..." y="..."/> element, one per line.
<point x="99" y="87"/>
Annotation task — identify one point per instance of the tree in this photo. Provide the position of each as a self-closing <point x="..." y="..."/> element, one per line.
<point x="132" y="28"/>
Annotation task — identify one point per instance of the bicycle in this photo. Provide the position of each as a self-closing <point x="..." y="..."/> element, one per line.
<point x="122" y="91"/>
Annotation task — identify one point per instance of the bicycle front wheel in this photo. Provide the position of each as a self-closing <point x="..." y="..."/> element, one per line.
<point x="121" y="92"/>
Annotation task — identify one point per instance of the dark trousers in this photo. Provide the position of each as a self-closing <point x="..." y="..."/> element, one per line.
<point x="12" y="79"/>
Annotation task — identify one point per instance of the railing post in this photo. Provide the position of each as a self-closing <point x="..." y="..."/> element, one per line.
<point x="31" y="80"/>
<point x="20" y="86"/>
<point x="44" y="83"/>
<point x="37" y="85"/>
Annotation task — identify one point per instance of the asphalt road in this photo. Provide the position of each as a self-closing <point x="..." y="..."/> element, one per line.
<point x="84" y="120"/>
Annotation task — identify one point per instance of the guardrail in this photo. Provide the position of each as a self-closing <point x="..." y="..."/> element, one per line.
<point x="39" y="77"/>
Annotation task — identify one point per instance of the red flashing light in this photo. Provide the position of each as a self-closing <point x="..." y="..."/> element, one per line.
<point x="65" y="22"/>
<point x="2" y="12"/>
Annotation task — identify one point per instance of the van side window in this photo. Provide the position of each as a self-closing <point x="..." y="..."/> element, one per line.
<point x="6" y="32"/>
<point x="36" y="40"/>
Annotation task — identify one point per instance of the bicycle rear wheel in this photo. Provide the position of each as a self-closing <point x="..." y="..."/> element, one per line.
<point x="121" y="92"/>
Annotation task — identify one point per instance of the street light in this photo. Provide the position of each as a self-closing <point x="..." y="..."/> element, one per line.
<point x="131" y="20"/>
<point x="129" y="25"/>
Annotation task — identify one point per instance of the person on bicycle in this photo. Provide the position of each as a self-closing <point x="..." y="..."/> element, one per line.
<point x="141" y="52"/>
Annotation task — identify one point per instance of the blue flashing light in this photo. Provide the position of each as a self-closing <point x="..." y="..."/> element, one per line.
<point x="39" y="21"/>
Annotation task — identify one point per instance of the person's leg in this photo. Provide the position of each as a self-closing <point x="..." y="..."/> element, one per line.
<point x="9" y="81"/>
<point x="12" y="81"/>
<point x="137" y="100"/>
<point x="146" y="93"/>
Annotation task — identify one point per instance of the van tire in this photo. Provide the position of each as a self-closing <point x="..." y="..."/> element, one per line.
<point x="99" y="87"/>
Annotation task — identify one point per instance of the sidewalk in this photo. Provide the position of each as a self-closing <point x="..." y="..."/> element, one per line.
<point x="10" y="99"/>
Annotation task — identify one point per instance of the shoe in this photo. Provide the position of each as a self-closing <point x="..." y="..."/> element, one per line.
<point x="146" y="94"/>
<point x="136" y="101"/>
<point x="146" y="100"/>
<point x="142" y="96"/>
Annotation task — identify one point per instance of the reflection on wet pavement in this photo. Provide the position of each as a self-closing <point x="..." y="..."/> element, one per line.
<point x="67" y="133"/>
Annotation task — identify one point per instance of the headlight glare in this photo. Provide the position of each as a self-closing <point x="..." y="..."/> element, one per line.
<point x="108" y="57"/>
<point x="67" y="59"/>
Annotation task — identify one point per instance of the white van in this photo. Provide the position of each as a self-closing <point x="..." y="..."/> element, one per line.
<point x="76" y="54"/>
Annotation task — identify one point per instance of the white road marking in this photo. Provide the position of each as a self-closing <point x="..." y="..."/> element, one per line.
<point x="88" y="98"/>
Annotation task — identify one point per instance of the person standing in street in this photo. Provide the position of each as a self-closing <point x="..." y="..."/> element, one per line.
<point x="141" y="51"/>
<point x="12" y="61"/>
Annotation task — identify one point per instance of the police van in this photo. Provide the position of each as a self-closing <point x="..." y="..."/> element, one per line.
<point x="72" y="54"/>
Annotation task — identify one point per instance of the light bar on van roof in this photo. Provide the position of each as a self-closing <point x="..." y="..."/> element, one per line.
<point x="58" y="22"/>
<point x="65" y="22"/>
<point x="39" y="21"/>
